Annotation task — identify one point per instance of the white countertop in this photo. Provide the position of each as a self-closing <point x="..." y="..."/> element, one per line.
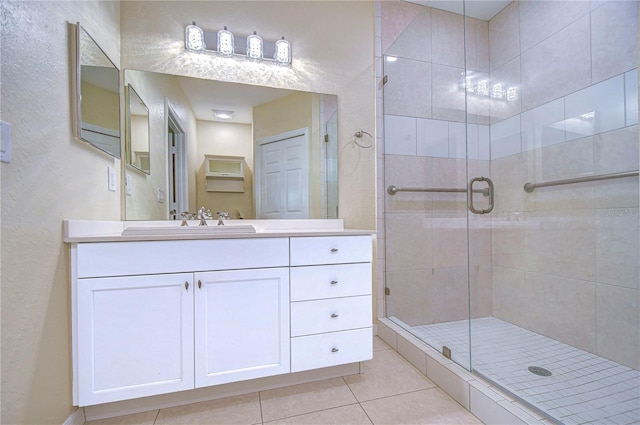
<point x="76" y="231"/>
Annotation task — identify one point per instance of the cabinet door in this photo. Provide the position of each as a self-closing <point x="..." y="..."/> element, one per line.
<point x="242" y="325"/>
<point x="135" y="336"/>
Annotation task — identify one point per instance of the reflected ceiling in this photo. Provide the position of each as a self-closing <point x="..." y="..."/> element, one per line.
<point x="479" y="9"/>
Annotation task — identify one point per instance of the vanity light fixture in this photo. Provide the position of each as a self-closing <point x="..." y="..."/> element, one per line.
<point x="227" y="44"/>
<point x="223" y="115"/>
<point x="255" y="49"/>
<point x="283" y="52"/>
<point x="194" y="38"/>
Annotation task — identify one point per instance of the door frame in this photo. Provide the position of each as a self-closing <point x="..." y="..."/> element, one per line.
<point x="172" y="121"/>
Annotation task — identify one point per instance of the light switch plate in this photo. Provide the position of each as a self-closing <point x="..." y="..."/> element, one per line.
<point x="160" y="194"/>
<point x="5" y="141"/>
<point x="112" y="178"/>
<point x="128" y="185"/>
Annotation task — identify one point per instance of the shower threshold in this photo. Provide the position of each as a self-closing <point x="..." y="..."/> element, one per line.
<point x="566" y="384"/>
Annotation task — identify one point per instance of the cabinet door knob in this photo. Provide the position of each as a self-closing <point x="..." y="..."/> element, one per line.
<point x="334" y="250"/>
<point x="199" y="284"/>
<point x="334" y="350"/>
<point x="334" y="315"/>
<point x="334" y="282"/>
<point x="186" y="285"/>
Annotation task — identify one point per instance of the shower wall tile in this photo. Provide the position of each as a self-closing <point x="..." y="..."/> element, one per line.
<point x="543" y="126"/>
<point x="571" y="302"/>
<point x="508" y="239"/>
<point x="504" y="36"/>
<point x="562" y="244"/>
<point x="408" y="171"/>
<point x="618" y="317"/>
<point x="449" y="173"/>
<point x="559" y="65"/>
<point x="409" y="242"/>
<point x="447" y="101"/>
<point x="614" y="38"/>
<point x="506" y="138"/>
<point x="447" y="38"/>
<point x="617" y="247"/>
<point x="399" y="135"/>
<point x="457" y="140"/>
<point x="400" y="98"/>
<point x="616" y="151"/>
<point x="396" y="17"/>
<point x="433" y="138"/>
<point x="448" y="295"/>
<point x="540" y="20"/>
<point x="510" y="174"/>
<point x="631" y="96"/>
<point x="510" y="300"/>
<point x="409" y="297"/>
<point x="550" y="163"/>
<point x="508" y="75"/>
<point x="415" y="41"/>
<point x="481" y="287"/>
<point x="484" y="143"/>
<point x="477" y="45"/>
<point x="449" y="235"/>
<point x="596" y="109"/>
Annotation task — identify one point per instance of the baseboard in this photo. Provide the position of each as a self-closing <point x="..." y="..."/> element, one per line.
<point x="76" y="418"/>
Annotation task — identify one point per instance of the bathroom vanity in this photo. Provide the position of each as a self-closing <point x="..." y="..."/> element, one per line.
<point x="162" y="313"/>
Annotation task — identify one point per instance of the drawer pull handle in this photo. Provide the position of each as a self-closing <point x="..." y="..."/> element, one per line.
<point x="334" y="250"/>
<point x="334" y="315"/>
<point x="334" y="282"/>
<point x="199" y="284"/>
<point x="186" y="285"/>
<point x="334" y="350"/>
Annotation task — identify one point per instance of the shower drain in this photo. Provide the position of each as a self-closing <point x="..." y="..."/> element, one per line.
<point x="539" y="371"/>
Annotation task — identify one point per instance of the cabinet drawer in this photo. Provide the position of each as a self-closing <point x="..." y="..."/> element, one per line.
<point x="331" y="349"/>
<point x="335" y="314"/>
<point x="330" y="250"/>
<point x="154" y="257"/>
<point x="341" y="280"/>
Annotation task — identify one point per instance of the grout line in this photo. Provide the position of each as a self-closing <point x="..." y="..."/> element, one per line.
<point x="157" y="415"/>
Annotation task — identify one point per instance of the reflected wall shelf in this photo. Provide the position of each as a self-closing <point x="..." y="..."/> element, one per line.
<point x="224" y="173"/>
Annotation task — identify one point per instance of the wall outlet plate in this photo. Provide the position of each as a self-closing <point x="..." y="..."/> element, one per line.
<point x="112" y="178"/>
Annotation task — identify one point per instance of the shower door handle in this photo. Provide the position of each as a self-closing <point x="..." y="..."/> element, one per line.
<point x="489" y="193"/>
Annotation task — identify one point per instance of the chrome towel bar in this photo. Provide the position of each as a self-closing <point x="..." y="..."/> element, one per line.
<point x="392" y="190"/>
<point x="529" y="187"/>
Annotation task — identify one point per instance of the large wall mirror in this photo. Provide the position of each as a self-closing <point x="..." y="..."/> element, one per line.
<point x="97" y="86"/>
<point x="136" y="130"/>
<point x="208" y="139"/>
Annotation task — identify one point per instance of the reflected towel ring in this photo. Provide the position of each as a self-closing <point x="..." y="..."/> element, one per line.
<point x="359" y="135"/>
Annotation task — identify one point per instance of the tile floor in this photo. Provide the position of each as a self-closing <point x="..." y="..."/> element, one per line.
<point x="389" y="391"/>
<point x="583" y="388"/>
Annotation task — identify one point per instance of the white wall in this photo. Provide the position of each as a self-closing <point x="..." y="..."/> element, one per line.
<point x="51" y="177"/>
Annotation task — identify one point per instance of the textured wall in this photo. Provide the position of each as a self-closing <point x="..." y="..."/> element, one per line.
<point x="51" y="177"/>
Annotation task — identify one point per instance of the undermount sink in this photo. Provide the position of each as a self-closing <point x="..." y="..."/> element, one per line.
<point x="188" y="230"/>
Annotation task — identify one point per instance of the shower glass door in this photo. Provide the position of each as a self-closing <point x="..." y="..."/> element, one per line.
<point x="430" y="251"/>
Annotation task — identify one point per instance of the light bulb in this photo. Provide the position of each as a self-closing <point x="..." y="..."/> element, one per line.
<point x="283" y="52"/>
<point x="254" y="47"/>
<point x="194" y="38"/>
<point x="225" y="42"/>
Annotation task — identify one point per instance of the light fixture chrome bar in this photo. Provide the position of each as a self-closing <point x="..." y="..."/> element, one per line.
<point x="392" y="190"/>
<point x="529" y="187"/>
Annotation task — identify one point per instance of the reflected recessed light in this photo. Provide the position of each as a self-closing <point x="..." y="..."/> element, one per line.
<point x="391" y="58"/>
<point x="223" y="115"/>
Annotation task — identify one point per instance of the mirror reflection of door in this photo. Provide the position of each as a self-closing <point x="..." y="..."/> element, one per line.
<point x="331" y="164"/>
<point x="282" y="176"/>
<point x="177" y="186"/>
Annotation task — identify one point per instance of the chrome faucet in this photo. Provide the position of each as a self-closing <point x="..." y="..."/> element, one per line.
<point x="221" y="217"/>
<point x="203" y="217"/>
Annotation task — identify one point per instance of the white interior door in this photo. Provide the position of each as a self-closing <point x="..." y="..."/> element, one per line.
<point x="282" y="176"/>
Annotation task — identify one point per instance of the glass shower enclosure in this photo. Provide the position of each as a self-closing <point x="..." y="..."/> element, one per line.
<point x="511" y="207"/>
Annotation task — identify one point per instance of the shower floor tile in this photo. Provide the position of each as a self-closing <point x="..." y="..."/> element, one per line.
<point x="583" y="388"/>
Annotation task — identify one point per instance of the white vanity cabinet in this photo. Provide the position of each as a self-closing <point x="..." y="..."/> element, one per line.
<point x="331" y="302"/>
<point x="152" y="317"/>
<point x="131" y="336"/>
<point x="241" y="325"/>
